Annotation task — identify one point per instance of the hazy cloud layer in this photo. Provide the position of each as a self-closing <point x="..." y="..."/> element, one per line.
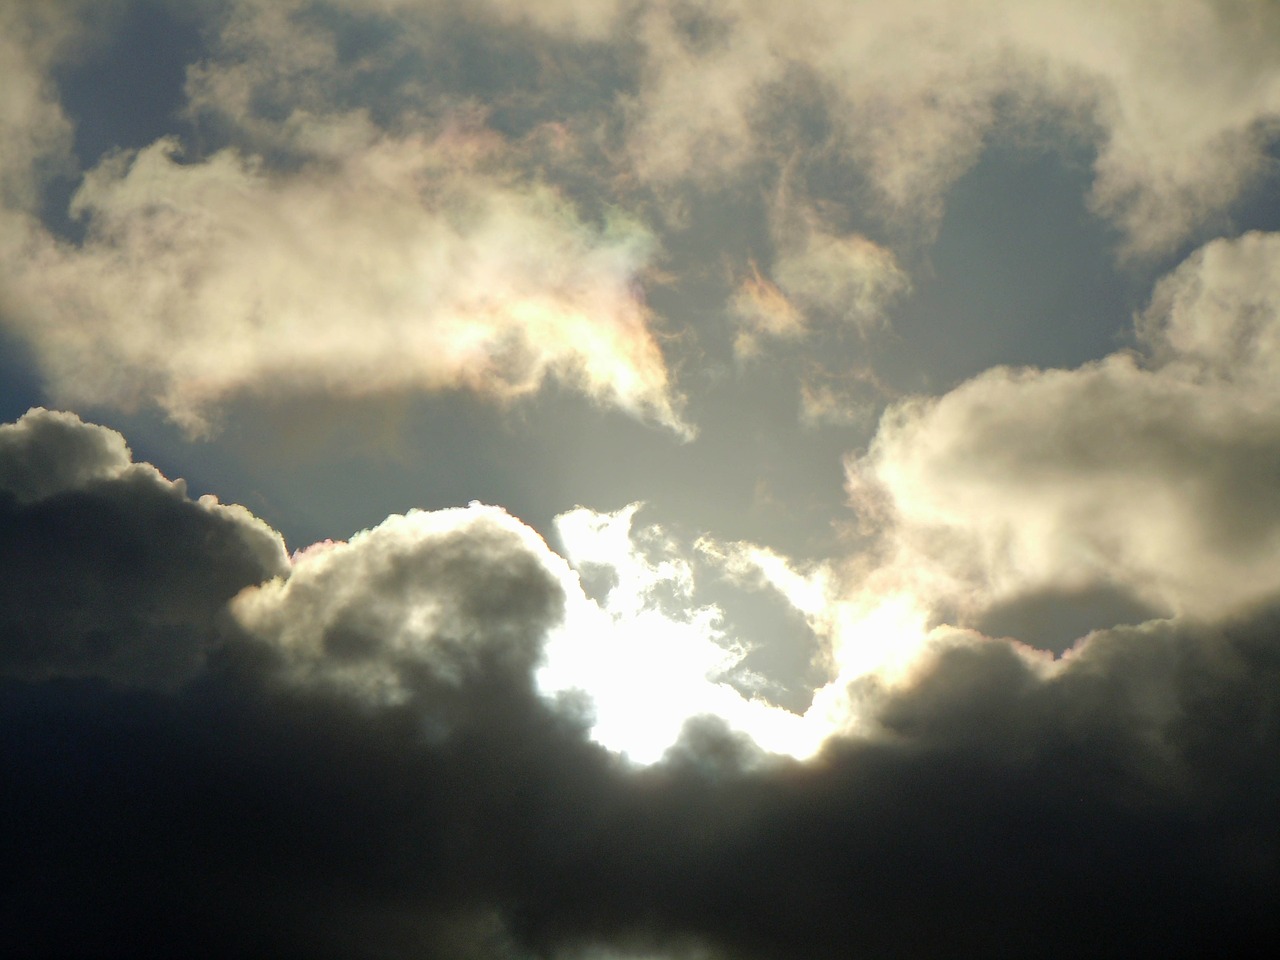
<point x="847" y="281"/>
<point x="35" y="134"/>
<point x="338" y="165"/>
<point x="1119" y="802"/>
<point x="909" y="92"/>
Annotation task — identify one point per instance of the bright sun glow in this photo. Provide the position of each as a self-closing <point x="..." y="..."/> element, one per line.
<point x="650" y="659"/>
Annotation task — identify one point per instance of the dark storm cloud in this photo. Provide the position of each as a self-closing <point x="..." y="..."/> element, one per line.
<point x="1120" y="802"/>
<point x="110" y="569"/>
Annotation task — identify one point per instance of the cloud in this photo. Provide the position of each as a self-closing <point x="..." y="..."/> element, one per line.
<point x="763" y="311"/>
<point x="347" y="190"/>
<point x="909" y="94"/>
<point x="35" y="134"/>
<point x="117" y="574"/>
<point x="1119" y="800"/>
<point x="871" y="627"/>
<point x="822" y="402"/>
<point x="337" y="166"/>
<point x="1215" y="317"/>
<point x="396" y="264"/>
<point x="48" y="452"/>
<point x="442" y="737"/>
<point x="841" y="281"/>
<point x="848" y="277"/>
<point x="590" y="19"/>
<point x="1155" y="478"/>
<point x="111" y="570"/>
<point x="421" y="598"/>
<point x="208" y="273"/>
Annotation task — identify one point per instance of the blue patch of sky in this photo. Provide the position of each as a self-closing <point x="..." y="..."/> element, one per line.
<point x="1021" y="273"/>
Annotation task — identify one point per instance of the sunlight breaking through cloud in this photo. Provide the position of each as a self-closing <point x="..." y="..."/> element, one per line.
<point x="782" y="480"/>
<point x="649" y="660"/>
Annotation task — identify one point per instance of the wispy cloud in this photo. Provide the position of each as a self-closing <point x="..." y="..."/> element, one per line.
<point x="912" y="91"/>
<point x="35" y="134"/>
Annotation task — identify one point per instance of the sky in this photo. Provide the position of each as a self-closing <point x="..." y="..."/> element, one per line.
<point x="639" y="479"/>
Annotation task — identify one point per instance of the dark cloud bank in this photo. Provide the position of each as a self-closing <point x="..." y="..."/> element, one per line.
<point x="176" y="783"/>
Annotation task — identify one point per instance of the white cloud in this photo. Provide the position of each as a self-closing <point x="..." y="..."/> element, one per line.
<point x="201" y="280"/>
<point x="35" y="135"/>
<point x="1181" y="97"/>
<point x="819" y="279"/>
<point x="356" y="260"/>
<point x="1158" y="479"/>
<point x="389" y="264"/>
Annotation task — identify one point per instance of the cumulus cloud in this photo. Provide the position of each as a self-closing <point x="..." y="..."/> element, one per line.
<point x="1118" y="801"/>
<point x="341" y="191"/>
<point x="48" y="452"/>
<point x="111" y="569"/>
<point x="421" y="597"/>
<point x="1154" y="477"/>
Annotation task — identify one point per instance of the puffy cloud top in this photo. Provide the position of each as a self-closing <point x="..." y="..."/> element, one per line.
<point x="421" y="598"/>
<point x="467" y="815"/>
<point x="1155" y="477"/>
<point x="111" y="570"/>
